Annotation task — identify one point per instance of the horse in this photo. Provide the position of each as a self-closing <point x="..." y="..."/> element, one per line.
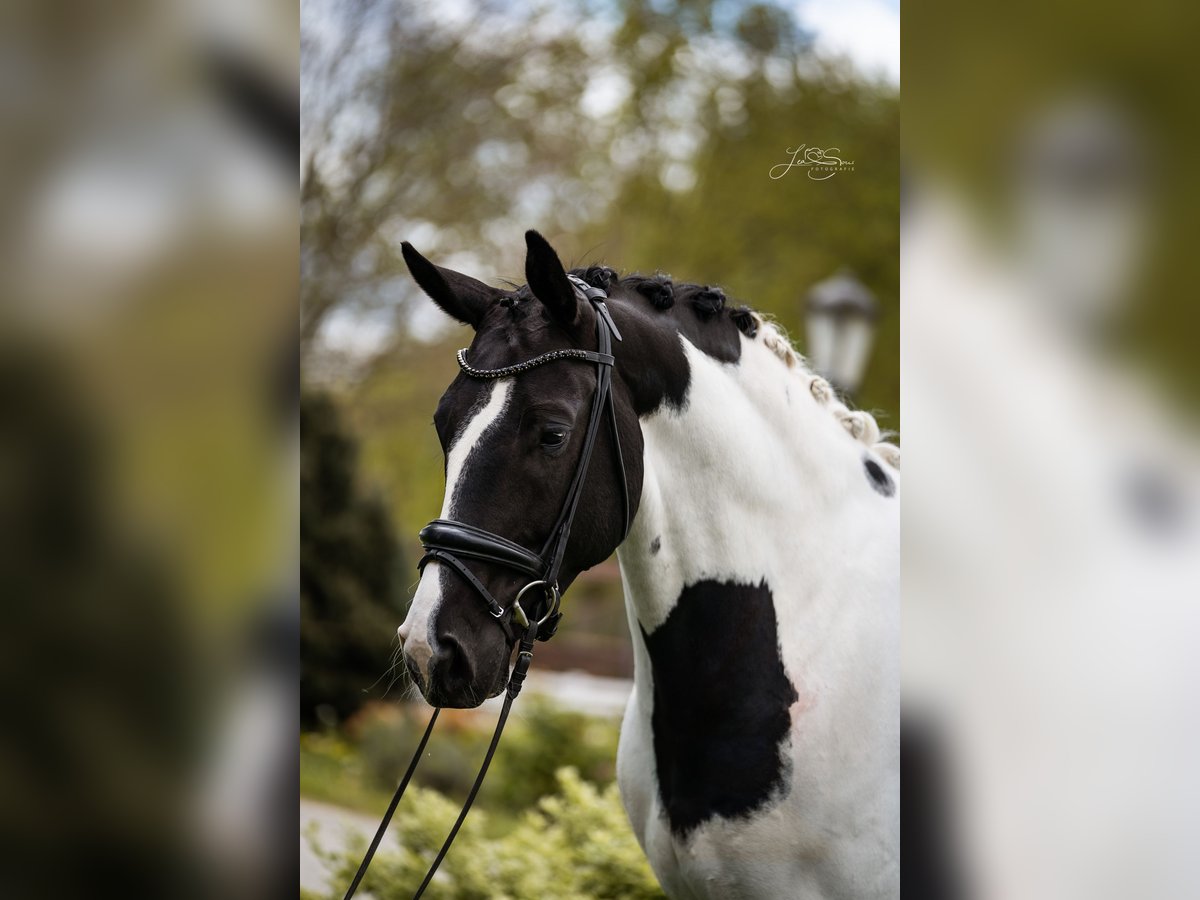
<point x="759" y="751"/>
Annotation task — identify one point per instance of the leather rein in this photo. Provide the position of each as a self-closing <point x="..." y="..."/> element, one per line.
<point x="451" y="543"/>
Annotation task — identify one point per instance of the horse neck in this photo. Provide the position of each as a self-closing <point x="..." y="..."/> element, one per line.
<point x="753" y="473"/>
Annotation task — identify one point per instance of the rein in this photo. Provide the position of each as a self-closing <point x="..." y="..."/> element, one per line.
<point x="450" y="543"/>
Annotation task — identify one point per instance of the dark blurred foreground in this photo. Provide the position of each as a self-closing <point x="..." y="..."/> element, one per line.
<point x="148" y="392"/>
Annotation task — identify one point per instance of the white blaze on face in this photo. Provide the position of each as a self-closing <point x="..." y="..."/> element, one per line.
<point x="416" y="636"/>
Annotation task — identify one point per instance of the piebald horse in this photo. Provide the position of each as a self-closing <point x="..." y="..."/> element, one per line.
<point x="759" y="754"/>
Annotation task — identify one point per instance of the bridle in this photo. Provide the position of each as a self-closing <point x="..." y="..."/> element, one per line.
<point x="451" y="543"/>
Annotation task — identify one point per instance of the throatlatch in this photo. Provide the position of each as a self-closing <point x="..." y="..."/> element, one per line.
<point x="451" y="543"/>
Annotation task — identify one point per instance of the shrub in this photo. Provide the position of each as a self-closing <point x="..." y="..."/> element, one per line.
<point x="540" y="738"/>
<point x="575" y="845"/>
<point x="350" y="594"/>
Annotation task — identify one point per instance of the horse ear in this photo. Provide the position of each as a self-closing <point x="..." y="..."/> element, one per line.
<point x="548" y="280"/>
<point x="458" y="295"/>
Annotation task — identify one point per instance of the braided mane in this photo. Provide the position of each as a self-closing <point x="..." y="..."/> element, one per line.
<point x="709" y="302"/>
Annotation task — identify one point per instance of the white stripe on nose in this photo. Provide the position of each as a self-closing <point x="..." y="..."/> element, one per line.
<point x="416" y="634"/>
<point x="456" y="460"/>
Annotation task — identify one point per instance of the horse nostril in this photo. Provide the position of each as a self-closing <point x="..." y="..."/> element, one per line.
<point x="451" y="662"/>
<point x="414" y="671"/>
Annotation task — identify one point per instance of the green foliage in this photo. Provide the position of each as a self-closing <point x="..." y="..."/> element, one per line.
<point x="331" y="770"/>
<point x="348" y="572"/>
<point x="573" y="842"/>
<point x="575" y="845"/>
<point x="363" y="768"/>
<point x="546" y="738"/>
<point x="767" y="241"/>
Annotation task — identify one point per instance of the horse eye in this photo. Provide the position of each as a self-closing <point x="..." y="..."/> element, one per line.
<point x="554" y="436"/>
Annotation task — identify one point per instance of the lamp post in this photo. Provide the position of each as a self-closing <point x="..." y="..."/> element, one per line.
<point x="1083" y="198"/>
<point x="840" y="320"/>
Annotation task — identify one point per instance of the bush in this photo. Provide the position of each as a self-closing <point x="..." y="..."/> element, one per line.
<point x="540" y="738"/>
<point x="350" y="586"/>
<point x="575" y="845"/>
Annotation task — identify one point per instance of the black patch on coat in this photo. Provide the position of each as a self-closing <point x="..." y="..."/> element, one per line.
<point x="656" y="544"/>
<point x="699" y="315"/>
<point x="652" y="312"/>
<point x="880" y="480"/>
<point x="721" y="704"/>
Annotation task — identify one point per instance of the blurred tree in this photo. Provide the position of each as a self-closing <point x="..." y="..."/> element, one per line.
<point x="717" y="217"/>
<point x="349" y="570"/>
<point x="414" y="129"/>
<point x="100" y="671"/>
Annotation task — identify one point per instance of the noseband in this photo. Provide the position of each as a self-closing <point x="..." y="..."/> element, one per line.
<point x="451" y="543"/>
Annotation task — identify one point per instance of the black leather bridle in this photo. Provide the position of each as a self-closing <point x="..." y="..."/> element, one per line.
<point x="453" y="543"/>
<point x="449" y="542"/>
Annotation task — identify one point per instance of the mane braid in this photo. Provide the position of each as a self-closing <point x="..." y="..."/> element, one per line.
<point x="858" y="422"/>
<point x="710" y="304"/>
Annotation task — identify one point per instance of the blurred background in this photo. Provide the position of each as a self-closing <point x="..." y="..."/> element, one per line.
<point x="148" y="449"/>
<point x="649" y="135"/>
<point x="1051" y="582"/>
